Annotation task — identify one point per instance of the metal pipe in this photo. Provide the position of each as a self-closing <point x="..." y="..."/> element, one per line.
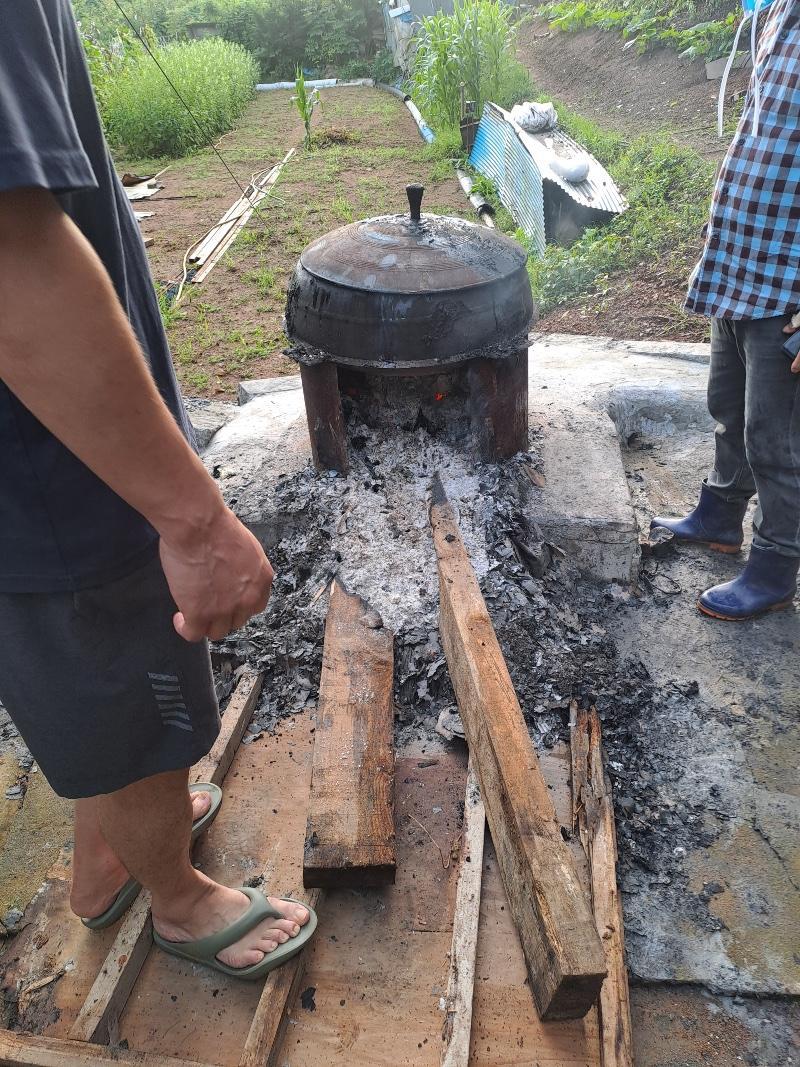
<point x="315" y="83"/>
<point x="424" y="128"/>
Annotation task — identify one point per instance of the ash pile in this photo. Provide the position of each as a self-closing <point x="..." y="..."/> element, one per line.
<point x="370" y="530"/>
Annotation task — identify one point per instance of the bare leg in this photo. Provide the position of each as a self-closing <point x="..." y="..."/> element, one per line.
<point x="97" y="872"/>
<point x="147" y="825"/>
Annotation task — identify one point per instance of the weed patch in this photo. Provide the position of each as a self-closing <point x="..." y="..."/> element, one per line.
<point x="668" y="189"/>
<point x="143" y="116"/>
<point x="647" y="25"/>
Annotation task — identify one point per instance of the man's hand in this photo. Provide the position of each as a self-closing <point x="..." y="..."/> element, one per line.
<point x="791" y="327"/>
<point x="218" y="580"/>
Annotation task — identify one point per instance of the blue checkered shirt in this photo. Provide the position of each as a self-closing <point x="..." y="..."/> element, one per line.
<point x="750" y="267"/>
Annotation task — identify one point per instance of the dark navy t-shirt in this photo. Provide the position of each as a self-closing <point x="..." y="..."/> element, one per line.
<point x="62" y="528"/>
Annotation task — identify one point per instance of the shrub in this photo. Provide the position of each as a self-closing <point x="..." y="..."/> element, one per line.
<point x="144" y="117"/>
<point x="473" y="47"/>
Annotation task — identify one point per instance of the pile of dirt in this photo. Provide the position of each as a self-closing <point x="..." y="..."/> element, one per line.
<point x="643" y="303"/>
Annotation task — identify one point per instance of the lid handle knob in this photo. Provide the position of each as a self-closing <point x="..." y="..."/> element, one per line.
<point x="414" y="193"/>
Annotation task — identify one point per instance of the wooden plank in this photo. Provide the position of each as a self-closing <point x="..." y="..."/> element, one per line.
<point x="350" y="838"/>
<point x="281" y="989"/>
<point x="326" y="429"/>
<point x="461" y="983"/>
<point x="593" y="817"/>
<point x="564" y="957"/>
<point x="98" y="1019"/>
<point x="28" y="1050"/>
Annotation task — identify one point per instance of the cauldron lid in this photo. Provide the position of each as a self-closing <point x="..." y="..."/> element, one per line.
<point x="413" y="253"/>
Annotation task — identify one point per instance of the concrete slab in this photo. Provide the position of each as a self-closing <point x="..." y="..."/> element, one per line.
<point x="33" y="842"/>
<point x="266" y="442"/>
<point x="249" y="390"/>
<point x="208" y="416"/>
<point x="584" y="507"/>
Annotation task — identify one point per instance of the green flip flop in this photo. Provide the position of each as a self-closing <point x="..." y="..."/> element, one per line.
<point x="131" y="890"/>
<point x="205" y="950"/>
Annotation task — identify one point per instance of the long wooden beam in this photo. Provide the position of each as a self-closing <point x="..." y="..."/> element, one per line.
<point x="350" y="840"/>
<point x="563" y="954"/>
<point x="265" y="1038"/>
<point x="593" y="818"/>
<point x="461" y="983"/>
<point x="29" y="1050"/>
<point x="98" y="1019"/>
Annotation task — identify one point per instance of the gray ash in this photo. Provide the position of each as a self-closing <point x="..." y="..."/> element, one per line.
<point x="371" y="528"/>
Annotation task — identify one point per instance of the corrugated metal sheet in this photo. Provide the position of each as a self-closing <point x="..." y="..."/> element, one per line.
<point x="499" y="154"/>
<point x="519" y="164"/>
<point x="597" y="191"/>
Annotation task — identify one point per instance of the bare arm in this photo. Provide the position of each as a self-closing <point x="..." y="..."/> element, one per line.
<point x="68" y="353"/>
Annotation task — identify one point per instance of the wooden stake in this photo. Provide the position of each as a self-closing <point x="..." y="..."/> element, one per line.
<point x="98" y="1019"/>
<point x="564" y="957"/>
<point x="458" y="1019"/>
<point x="28" y="1050"/>
<point x="593" y="818"/>
<point x="326" y="428"/>
<point x="350" y="839"/>
<point x="263" y="1044"/>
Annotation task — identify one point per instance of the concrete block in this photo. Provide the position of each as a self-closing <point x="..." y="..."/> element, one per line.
<point x="657" y="409"/>
<point x="266" y="442"/>
<point x="207" y="417"/>
<point x="584" y="507"/>
<point x="249" y="390"/>
<point x="715" y="68"/>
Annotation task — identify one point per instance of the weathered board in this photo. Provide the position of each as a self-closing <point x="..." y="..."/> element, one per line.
<point x="564" y="956"/>
<point x="350" y="837"/>
<point x="98" y="1019"/>
<point x="593" y="818"/>
<point x="28" y="1050"/>
<point x="265" y="1037"/>
<point x="461" y="983"/>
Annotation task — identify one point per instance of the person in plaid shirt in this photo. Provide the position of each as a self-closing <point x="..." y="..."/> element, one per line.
<point x="748" y="283"/>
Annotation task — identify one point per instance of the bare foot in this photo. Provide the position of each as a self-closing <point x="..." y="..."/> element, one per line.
<point x="217" y="907"/>
<point x="98" y="874"/>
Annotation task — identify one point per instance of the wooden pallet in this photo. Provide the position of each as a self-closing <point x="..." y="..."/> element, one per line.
<point x="379" y="965"/>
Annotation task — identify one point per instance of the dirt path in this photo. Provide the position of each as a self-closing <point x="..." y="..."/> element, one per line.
<point x="590" y="72"/>
<point x="230" y="327"/>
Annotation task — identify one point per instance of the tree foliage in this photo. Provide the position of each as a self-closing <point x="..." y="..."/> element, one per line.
<point x="282" y="34"/>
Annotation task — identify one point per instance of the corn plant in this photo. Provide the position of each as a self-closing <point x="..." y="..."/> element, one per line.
<point x="473" y="47"/>
<point x="305" y="102"/>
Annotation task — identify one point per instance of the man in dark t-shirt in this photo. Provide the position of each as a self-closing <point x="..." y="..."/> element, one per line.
<point x="118" y="557"/>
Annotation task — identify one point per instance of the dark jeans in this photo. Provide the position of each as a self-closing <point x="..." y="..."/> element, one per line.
<point x="755" y="400"/>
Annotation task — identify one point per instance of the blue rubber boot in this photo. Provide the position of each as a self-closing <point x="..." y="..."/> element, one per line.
<point x="768" y="583"/>
<point x="714" y="522"/>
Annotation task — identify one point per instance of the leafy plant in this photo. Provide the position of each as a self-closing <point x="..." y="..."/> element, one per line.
<point x="472" y="48"/>
<point x="305" y="102"/>
<point x="143" y="116"/>
<point x="647" y="24"/>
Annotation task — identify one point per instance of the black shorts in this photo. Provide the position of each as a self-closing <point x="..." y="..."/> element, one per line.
<point x="100" y="686"/>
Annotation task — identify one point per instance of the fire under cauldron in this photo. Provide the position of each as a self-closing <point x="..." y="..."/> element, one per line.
<point x="439" y="300"/>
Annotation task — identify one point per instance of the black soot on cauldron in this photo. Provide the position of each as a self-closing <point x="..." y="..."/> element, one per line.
<point x="418" y="320"/>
